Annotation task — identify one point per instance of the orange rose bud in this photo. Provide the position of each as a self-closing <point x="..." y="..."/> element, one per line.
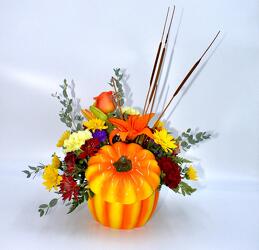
<point x="105" y="102"/>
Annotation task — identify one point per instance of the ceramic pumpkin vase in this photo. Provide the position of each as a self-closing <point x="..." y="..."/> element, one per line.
<point x="124" y="179"/>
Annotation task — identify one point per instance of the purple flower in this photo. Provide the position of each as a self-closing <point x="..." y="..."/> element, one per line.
<point x="101" y="135"/>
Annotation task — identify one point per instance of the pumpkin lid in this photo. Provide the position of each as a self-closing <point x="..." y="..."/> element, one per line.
<point x="123" y="173"/>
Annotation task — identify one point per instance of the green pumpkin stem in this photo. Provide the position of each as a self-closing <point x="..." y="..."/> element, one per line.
<point x="123" y="164"/>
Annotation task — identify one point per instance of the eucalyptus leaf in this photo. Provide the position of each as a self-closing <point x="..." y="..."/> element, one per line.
<point x="53" y="202"/>
<point x="43" y="206"/>
<point x="41" y="211"/>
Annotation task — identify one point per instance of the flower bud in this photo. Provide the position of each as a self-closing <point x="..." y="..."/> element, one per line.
<point x="105" y="102"/>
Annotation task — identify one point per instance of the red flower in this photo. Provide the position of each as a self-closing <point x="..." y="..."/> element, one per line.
<point x="90" y="147"/>
<point x="70" y="161"/>
<point x="69" y="188"/>
<point x="172" y="172"/>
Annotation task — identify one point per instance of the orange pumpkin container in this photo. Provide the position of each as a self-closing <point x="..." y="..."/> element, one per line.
<point x="124" y="179"/>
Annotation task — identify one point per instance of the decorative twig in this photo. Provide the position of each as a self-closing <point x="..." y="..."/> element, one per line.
<point x="161" y="62"/>
<point x="155" y="64"/>
<point x="185" y="79"/>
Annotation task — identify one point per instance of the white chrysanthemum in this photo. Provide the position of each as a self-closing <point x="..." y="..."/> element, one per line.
<point x="130" y="111"/>
<point x="76" y="140"/>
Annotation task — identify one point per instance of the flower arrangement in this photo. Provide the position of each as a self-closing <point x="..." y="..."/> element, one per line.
<point x="118" y="157"/>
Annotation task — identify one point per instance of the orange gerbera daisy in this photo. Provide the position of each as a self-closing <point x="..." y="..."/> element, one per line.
<point x="131" y="128"/>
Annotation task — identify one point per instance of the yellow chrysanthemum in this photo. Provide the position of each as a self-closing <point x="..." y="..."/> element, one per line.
<point x="76" y="140"/>
<point x="94" y="124"/>
<point x="51" y="177"/>
<point x="55" y="161"/>
<point x="192" y="173"/>
<point x="130" y="111"/>
<point x="165" y="140"/>
<point x="63" y="137"/>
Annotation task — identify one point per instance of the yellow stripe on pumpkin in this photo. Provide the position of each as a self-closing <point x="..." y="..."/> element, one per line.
<point x="115" y="212"/>
<point x="99" y="208"/>
<point x="97" y="182"/>
<point x="128" y="191"/>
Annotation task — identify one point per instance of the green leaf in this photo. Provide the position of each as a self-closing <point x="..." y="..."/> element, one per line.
<point x="199" y="136"/>
<point x="53" y="202"/>
<point x="185" y="134"/>
<point x="179" y="160"/>
<point x="43" y="206"/>
<point x="69" y="109"/>
<point x="186" y="189"/>
<point x="28" y="173"/>
<point x="86" y="196"/>
<point x="32" y="168"/>
<point x="65" y="93"/>
<point x="91" y="193"/>
<point x="41" y="211"/>
<point x="72" y="208"/>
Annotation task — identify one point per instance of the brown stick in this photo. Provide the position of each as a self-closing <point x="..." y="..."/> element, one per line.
<point x="154" y="90"/>
<point x="185" y="79"/>
<point x="155" y="87"/>
<point x="156" y="60"/>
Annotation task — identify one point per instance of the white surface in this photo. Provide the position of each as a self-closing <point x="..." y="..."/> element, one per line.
<point x="42" y="42"/>
<point x="221" y="216"/>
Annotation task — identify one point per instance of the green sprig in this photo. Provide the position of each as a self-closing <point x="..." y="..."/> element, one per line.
<point x="179" y="160"/>
<point x="116" y="82"/>
<point x="84" y="194"/>
<point x="189" y="138"/>
<point x="70" y="111"/>
<point x="184" y="189"/>
<point x="33" y="171"/>
<point x="44" y="208"/>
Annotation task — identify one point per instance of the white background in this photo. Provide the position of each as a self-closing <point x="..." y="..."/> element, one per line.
<point x="43" y="42"/>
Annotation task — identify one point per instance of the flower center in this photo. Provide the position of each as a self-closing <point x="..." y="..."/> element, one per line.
<point x="123" y="164"/>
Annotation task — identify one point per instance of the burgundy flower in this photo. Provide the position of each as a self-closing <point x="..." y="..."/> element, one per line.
<point x="70" y="161"/>
<point x="90" y="147"/>
<point x="172" y="172"/>
<point x="69" y="188"/>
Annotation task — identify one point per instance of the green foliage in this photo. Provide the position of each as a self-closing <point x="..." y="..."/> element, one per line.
<point x="179" y="160"/>
<point x="44" y="208"/>
<point x="84" y="194"/>
<point x="115" y="82"/>
<point x="184" y="189"/>
<point x="70" y="111"/>
<point x="159" y="152"/>
<point x="33" y="171"/>
<point x="189" y="138"/>
<point x="156" y="149"/>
